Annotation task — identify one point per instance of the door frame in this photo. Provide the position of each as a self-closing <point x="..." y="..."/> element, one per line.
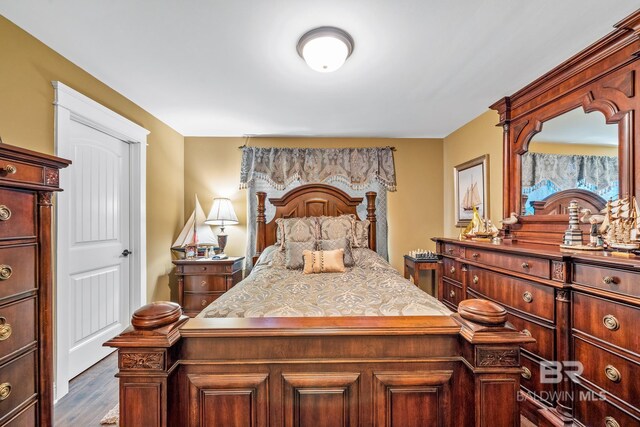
<point x="72" y="106"/>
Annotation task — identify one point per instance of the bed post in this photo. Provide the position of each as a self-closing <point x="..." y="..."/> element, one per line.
<point x="371" y="216"/>
<point x="147" y="352"/>
<point x="491" y="347"/>
<point x="261" y="220"/>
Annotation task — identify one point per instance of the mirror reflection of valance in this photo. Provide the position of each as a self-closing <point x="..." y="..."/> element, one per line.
<point x="357" y="167"/>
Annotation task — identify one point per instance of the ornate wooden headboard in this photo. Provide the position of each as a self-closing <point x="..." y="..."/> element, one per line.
<point x="311" y="200"/>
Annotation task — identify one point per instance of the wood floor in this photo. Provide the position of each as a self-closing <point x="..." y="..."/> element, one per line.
<point x="91" y="395"/>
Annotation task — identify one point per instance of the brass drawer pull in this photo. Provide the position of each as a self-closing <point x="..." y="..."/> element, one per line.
<point x="450" y="251"/>
<point x="5" y="213"/>
<point x="475" y="279"/>
<point x="203" y="302"/>
<point x="525" y="265"/>
<point x="204" y="268"/>
<point x="9" y="169"/>
<point x="203" y="283"/>
<point x="475" y="255"/>
<point x="610" y="322"/>
<point x="607" y="280"/>
<point x="526" y="373"/>
<point x="452" y="294"/>
<point x="612" y="373"/>
<point x="5" y="390"/>
<point x="526" y="332"/>
<point x="453" y="270"/>
<point x="527" y="297"/>
<point x="611" y="422"/>
<point x="5" y="329"/>
<point x="5" y="272"/>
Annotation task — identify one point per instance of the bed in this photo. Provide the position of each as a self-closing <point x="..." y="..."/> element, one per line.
<point x="359" y="348"/>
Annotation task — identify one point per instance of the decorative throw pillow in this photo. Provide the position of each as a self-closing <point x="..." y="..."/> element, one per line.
<point x="323" y="261"/>
<point x="337" y="227"/>
<point x="342" y="243"/>
<point x="361" y="234"/>
<point x="293" y="258"/>
<point x="297" y="230"/>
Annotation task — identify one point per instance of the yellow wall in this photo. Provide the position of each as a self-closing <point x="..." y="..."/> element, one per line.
<point x="479" y="136"/>
<point x="583" y="149"/>
<point x="26" y="120"/>
<point x="414" y="211"/>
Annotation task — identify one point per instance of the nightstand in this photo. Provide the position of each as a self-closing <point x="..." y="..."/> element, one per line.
<point x="413" y="267"/>
<point x="202" y="282"/>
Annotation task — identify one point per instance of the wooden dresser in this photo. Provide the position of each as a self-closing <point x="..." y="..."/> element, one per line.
<point x="27" y="183"/>
<point x="202" y="282"/>
<point x="578" y="307"/>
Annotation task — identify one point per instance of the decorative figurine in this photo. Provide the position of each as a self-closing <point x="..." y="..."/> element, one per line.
<point x="620" y="226"/>
<point x="479" y="229"/>
<point x="573" y="235"/>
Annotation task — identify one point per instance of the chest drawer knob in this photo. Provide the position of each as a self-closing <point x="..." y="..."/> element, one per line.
<point x="5" y="329"/>
<point x="452" y="294"/>
<point x="9" y="169"/>
<point x="203" y="302"/>
<point x="452" y="270"/>
<point x="475" y="279"/>
<point x="611" y="422"/>
<point x="527" y="297"/>
<point x="450" y="251"/>
<point x="607" y="280"/>
<point x="5" y="390"/>
<point x="612" y="373"/>
<point x="5" y="272"/>
<point x="610" y="322"/>
<point x="526" y="332"/>
<point x="5" y="213"/>
<point x="475" y="255"/>
<point x="525" y="265"/>
<point x="526" y="373"/>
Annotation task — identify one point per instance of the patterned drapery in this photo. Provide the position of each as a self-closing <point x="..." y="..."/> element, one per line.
<point x="358" y="167"/>
<point x="545" y="174"/>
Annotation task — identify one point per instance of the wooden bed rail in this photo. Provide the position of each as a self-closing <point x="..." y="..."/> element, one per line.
<point x="462" y="369"/>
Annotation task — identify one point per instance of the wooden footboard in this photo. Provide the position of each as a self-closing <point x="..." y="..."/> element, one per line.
<point x="461" y="370"/>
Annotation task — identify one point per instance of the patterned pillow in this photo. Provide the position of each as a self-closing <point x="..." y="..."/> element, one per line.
<point x="297" y="230"/>
<point x="323" y="261"/>
<point x="293" y="258"/>
<point x="361" y="234"/>
<point x="337" y="227"/>
<point x="342" y="243"/>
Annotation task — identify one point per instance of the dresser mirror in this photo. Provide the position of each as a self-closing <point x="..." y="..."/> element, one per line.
<point x="573" y="157"/>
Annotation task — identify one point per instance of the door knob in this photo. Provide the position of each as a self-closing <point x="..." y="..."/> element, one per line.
<point x="126" y="252"/>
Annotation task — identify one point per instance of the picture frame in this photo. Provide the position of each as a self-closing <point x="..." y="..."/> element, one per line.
<point x="471" y="187"/>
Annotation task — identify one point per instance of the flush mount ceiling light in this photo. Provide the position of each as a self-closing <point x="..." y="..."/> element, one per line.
<point x="325" y="49"/>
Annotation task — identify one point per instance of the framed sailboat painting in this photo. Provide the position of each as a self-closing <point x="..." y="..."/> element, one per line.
<point x="471" y="189"/>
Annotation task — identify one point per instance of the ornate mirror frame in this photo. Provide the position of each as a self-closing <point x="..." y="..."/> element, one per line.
<point x="602" y="79"/>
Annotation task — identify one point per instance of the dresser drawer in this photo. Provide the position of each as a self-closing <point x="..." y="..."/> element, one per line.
<point x="17" y="214"/>
<point x="26" y="418"/>
<point x="538" y="267"/>
<point x="209" y="268"/>
<point x="620" y="281"/>
<point x="17" y="326"/>
<point x="21" y="172"/>
<point x="530" y="378"/>
<point x="199" y="301"/>
<point x="617" y="375"/>
<point x="18" y="379"/>
<point x="529" y="297"/>
<point x="205" y="283"/>
<point x="596" y="412"/>
<point x="612" y="322"/>
<point x="17" y="269"/>
<point x="545" y="342"/>
<point x="452" y="269"/>
<point x="452" y="250"/>
<point x="452" y="293"/>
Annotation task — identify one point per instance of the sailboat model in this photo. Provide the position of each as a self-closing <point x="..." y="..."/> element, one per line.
<point x="195" y="231"/>
<point x="621" y="224"/>
<point x="471" y="198"/>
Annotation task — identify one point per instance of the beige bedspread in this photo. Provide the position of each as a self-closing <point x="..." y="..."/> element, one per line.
<point x="370" y="288"/>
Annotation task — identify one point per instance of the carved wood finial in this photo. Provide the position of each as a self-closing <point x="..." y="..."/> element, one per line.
<point x="371" y="216"/>
<point x="482" y="311"/>
<point x="261" y="220"/>
<point x="155" y="315"/>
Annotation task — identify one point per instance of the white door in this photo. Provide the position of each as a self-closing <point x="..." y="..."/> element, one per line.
<point x="97" y="276"/>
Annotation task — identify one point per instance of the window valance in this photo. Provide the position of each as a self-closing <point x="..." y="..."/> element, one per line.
<point x="357" y="167"/>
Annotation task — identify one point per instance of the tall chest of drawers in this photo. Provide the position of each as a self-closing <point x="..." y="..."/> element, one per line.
<point x="579" y="307"/>
<point x="27" y="183"/>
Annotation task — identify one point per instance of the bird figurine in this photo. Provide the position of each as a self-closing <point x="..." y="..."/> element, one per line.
<point x="588" y="218"/>
<point x="513" y="219"/>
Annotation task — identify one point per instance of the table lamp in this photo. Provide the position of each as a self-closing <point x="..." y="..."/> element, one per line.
<point x="222" y="214"/>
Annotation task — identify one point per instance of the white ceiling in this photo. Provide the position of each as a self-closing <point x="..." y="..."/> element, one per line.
<point x="420" y="68"/>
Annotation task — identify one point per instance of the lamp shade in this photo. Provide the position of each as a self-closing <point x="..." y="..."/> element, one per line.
<point x="222" y="213"/>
